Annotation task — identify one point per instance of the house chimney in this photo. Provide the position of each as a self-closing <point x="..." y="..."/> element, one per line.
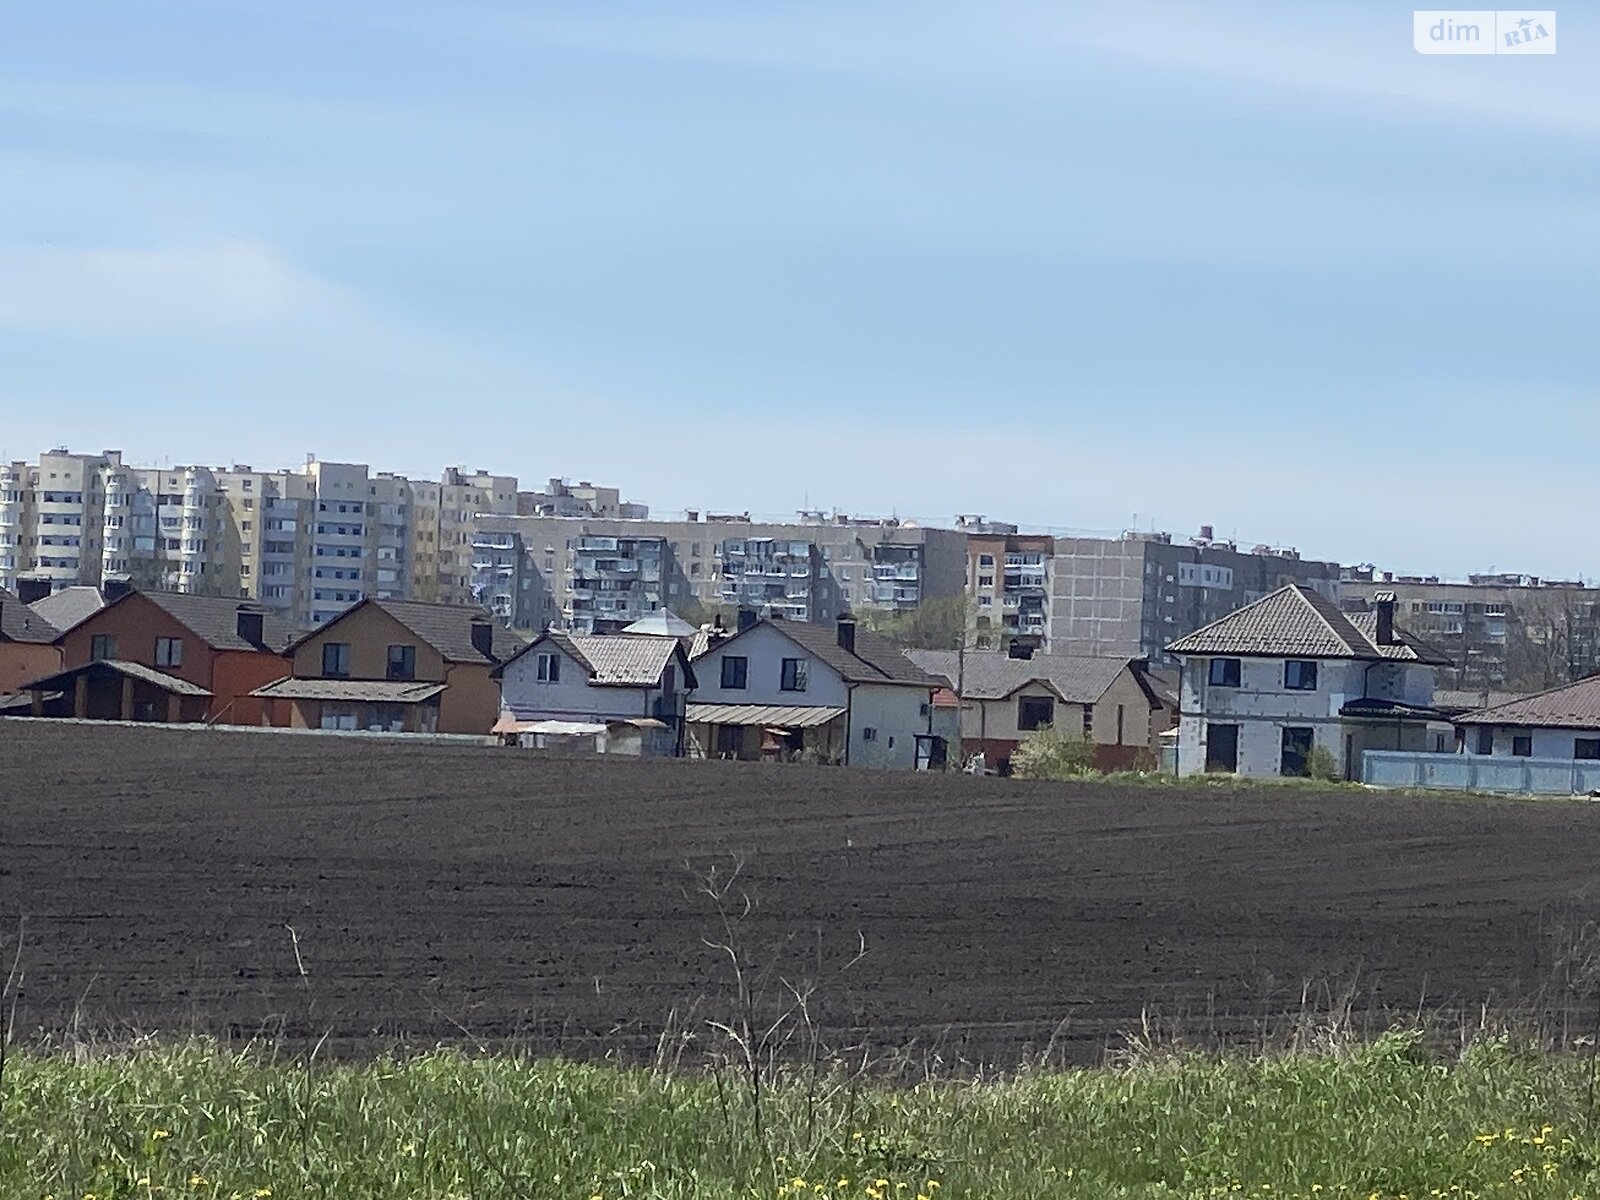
<point x="847" y="633"/>
<point x="31" y="590"/>
<point x="115" y="589"/>
<point x="1207" y="533"/>
<point x="747" y="618"/>
<point x="1384" y="603"/>
<point x="251" y="626"/>
<point x="483" y="637"/>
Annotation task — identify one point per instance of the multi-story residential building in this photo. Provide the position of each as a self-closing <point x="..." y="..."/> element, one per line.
<point x="1131" y="596"/>
<point x="443" y="524"/>
<point x="1498" y="632"/>
<point x="582" y="499"/>
<point x="585" y="574"/>
<point x="1008" y="580"/>
<point x="82" y="519"/>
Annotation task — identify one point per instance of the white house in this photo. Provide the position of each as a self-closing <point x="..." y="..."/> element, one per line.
<point x="1562" y="723"/>
<point x="581" y="684"/>
<point x="784" y="689"/>
<point x="1264" y="685"/>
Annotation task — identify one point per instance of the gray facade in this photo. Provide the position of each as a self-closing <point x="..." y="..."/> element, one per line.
<point x="1129" y="597"/>
<point x="539" y="572"/>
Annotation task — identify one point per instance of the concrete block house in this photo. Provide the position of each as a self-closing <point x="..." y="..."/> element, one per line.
<point x="1265" y="685"/>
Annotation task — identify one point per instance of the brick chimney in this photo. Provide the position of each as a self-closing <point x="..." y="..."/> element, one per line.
<point x="483" y="638"/>
<point x="32" y="590"/>
<point x="251" y="625"/>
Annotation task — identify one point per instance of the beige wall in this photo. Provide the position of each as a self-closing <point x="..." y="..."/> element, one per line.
<point x="23" y="662"/>
<point x="997" y="720"/>
<point x="471" y="702"/>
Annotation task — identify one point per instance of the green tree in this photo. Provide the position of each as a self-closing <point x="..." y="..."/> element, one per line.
<point x="1050" y="754"/>
<point x="936" y="624"/>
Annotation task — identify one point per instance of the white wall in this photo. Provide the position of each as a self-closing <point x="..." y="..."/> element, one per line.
<point x="526" y="698"/>
<point x="895" y="714"/>
<point x="766" y="649"/>
<point x="1547" y="743"/>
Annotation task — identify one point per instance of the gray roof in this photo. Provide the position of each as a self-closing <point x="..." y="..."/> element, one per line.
<point x="1296" y="621"/>
<point x="1472" y="699"/>
<point x="70" y="607"/>
<point x="215" y="620"/>
<point x="991" y="675"/>
<point x="784" y="716"/>
<point x="21" y="623"/>
<point x="445" y="627"/>
<point x="622" y="659"/>
<point x="382" y="691"/>
<point x="1574" y="706"/>
<point x="875" y="659"/>
<point x="662" y="623"/>
<point x="169" y="683"/>
<point x="1406" y="647"/>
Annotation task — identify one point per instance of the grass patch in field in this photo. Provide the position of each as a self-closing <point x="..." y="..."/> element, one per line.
<point x="1388" y="1119"/>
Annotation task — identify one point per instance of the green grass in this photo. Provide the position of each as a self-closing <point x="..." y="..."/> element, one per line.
<point x="1387" y="1119"/>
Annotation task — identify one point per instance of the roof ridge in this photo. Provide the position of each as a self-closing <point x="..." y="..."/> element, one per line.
<point x="1306" y="594"/>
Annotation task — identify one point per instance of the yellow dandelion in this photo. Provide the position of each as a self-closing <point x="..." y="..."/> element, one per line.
<point x="160" y="1135"/>
<point x="263" y="1193"/>
<point x="844" y="1181"/>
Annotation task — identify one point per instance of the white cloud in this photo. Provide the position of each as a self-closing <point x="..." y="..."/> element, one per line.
<point x="230" y="285"/>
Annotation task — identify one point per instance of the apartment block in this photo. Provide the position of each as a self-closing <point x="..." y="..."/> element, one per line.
<point x="1131" y="596"/>
<point x="82" y="519"/>
<point x="1008" y="580"/>
<point x="1499" y="632"/>
<point x="581" y="499"/>
<point x="592" y="574"/>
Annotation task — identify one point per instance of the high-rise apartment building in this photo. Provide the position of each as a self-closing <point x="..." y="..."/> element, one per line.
<point x="72" y="519"/>
<point x="1008" y="581"/>
<point x="1500" y="632"/>
<point x="582" y="499"/>
<point x="595" y="574"/>
<point x="1131" y="596"/>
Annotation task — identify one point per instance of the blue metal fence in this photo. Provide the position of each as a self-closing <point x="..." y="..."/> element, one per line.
<point x="1481" y="773"/>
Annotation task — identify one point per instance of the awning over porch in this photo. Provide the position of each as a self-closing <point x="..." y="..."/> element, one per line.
<point x="782" y="716"/>
<point x="369" y="691"/>
<point x="1391" y="710"/>
<point x="104" y="667"/>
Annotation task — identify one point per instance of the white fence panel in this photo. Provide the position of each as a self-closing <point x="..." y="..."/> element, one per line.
<point x="1480" y="773"/>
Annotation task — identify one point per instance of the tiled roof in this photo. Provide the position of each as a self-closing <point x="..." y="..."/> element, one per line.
<point x="1472" y="699"/>
<point x="377" y="691"/>
<point x="991" y="675"/>
<point x="629" y="660"/>
<point x="448" y="628"/>
<point x="20" y="623"/>
<point x="1407" y="647"/>
<point x="1574" y="706"/>
<point x="70" y="607"/>
<point x="1296" y="621"/>
<point x="876" y="659"/>
<point x="215" y="620"/>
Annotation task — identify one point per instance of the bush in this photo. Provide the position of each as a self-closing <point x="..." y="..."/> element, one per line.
<point x="1320" y="764"/>
<point x="1049" y="754"/>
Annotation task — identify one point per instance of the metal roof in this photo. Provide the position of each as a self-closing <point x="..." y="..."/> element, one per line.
<point x="379" y="691"/>
<point x="69" y="607"/>
<point x="1574" y="706"/>
<point x="787" y="716"/>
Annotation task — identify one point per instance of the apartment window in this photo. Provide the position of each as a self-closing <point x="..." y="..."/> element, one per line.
<point x="1586" y="747"/>
<point x="1522" y="745"/>
<point x="1300" y="675"/>
<point x="1485" y="739"/>
<point x="794" y="675"/>
<point x="986" y="581"/>
<point x="1035" y="712"/>
<point x="869" y="734"/>
<point x="248" y="503"/>
<point x="548" y="668"/>
<point x="735" y="671"/>
<point x="986" y="560"/>
<point x="102" y="646"/>
<point x="402" y="662"/>
<point x="169" y="652"/>
<point x="1224" y="672"/>
<point x="336" y="660"/>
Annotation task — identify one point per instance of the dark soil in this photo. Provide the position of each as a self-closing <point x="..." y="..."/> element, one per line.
<point x="480" y="895"/>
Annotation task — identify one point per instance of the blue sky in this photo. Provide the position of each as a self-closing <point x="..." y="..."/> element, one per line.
<point x="1084" y="266"/>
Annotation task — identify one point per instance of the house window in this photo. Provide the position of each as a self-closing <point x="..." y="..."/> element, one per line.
<point x="1300" y="675"/>
<point x="549" y="668"/>
<point x="1222" y="748"/>
<point x="1035" y="712"/>
<point x="794" y="675"/>
<point x="1522" y="745"/>
<point x="102" y="646"/>
<point x="1486" y="739"/>
<point x="402" y="663"/>
<point x="735" y="671"/>
<point x="1586" y="747"/>
<point x="1297" y="743"/>
<point x="336" y="660"/>
<point x="1224" y="672"/>
<point x="169" y="652"/>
